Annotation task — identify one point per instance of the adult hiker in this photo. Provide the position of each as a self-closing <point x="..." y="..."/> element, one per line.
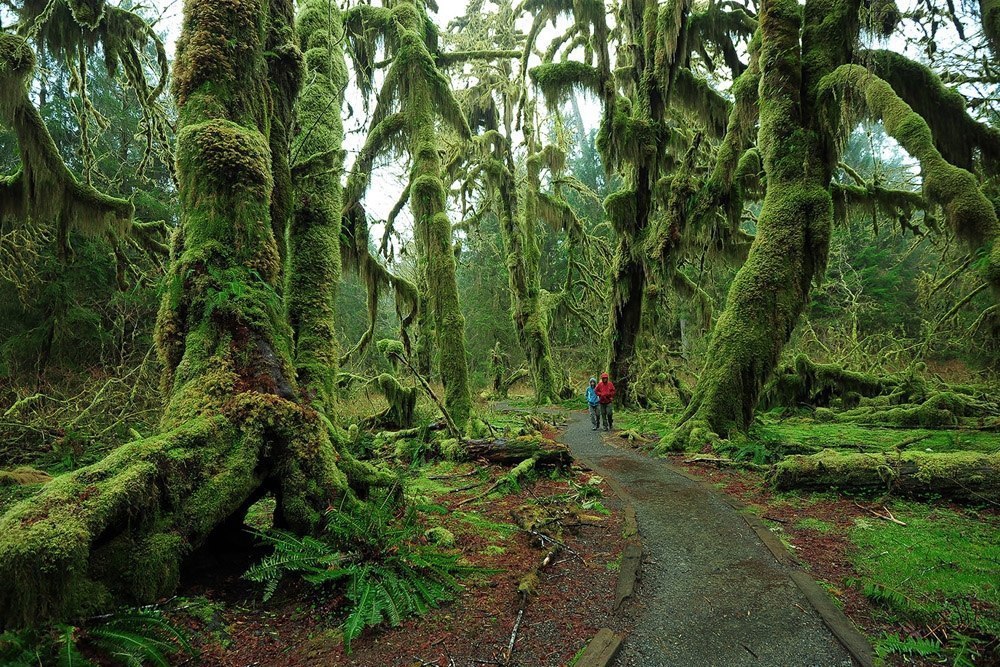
<point x="605" y="391"/>
<point x="593" y="401"/>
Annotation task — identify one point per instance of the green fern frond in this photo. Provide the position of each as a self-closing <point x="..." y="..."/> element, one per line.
<point x="69" y="654"/>
<point x="888" y="644"/>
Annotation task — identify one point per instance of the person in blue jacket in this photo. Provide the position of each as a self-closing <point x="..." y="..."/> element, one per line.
<point x="593" y="403"/>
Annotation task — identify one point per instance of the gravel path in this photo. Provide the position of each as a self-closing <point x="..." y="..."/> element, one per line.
<point x="709" y="593"/>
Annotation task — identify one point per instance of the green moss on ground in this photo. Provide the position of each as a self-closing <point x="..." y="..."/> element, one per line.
<point x="937" y="571"/>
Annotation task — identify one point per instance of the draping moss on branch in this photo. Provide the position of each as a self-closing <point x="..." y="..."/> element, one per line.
<point x="852" y="91"/>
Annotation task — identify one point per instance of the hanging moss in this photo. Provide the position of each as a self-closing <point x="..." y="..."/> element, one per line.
<point x="880" y="17"/>
<point x="721" y="189"/>
<point x="518" y="216"/>
<point x="47" y="188"/>
<point x="559" y="81"/>
<point x="854" y="90"/>
<point x="402" y="401"/>
<point x="957" y="135"/>
<point x="710" y="109"/>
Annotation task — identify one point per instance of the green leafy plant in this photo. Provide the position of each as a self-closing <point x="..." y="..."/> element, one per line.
<point x="130" y="637"/>
<point x="888" y="644"/>
<point x="388" y="573"/>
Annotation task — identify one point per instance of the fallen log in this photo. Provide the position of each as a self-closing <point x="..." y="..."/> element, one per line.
<point x="961" y="476"/>
<point x="511" y="451"/>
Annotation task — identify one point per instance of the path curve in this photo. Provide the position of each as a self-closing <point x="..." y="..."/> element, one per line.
<point x="710" y="593"/>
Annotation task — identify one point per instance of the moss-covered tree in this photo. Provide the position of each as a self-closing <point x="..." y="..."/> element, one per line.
<point x="416" y="86"/>
<point x="236" y="425"/>
<point x="811" y="94"/>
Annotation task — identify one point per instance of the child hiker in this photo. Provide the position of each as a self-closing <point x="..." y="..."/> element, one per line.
<point x="593" y="401"/>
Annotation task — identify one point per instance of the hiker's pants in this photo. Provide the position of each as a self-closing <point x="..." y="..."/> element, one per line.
<point x="595" y="415"/>
<point x="607" y="415"/>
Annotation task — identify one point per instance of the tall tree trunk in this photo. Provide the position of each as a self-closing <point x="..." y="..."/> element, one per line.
<point x="628" y="285"/>
<point x="314" y="264"/>
<point x="427" y="200"/>
<point x="432" y="226"/>
<point x="234" y="427"/>
<point x="523" y="257"/>
<point x="790" y="249"/>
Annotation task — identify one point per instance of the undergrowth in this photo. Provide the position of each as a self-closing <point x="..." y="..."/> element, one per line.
<point x="375" y="556"/>
<point x="937" y="575"/>
<point x="130" y="637"/>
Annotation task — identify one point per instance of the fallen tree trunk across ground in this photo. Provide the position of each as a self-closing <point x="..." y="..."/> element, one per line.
<point x="961" y="476"/>
<point x="512" y="451"/>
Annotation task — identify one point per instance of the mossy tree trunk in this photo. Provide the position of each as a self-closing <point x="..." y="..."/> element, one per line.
<point x="234" y="427"/>
<point x="518" y="215"/>
<point x="790" y="248"/>
<point x="427" y="199"/>
<point x="314" y="265"/>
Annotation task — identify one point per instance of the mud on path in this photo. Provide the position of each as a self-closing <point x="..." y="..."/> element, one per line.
<point x="710" y="592"/>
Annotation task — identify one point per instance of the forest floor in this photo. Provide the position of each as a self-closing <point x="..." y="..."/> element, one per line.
<point x="709" y="592"/>
<point x="571" y="599"/>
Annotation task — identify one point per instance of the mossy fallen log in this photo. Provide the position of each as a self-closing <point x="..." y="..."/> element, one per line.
<point x="941" y="409"/>
<point x="960" y="476"/>
<point x="513" y="451"/>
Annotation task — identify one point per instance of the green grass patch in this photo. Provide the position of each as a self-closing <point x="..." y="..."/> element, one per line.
<point x="940" y="570"/>
<point x="644" y="421"/>
<point x="437" y="478"/>
<point x="810" y="523"/>
<point x="614" y="565"/>
<point x="485" y="527"/>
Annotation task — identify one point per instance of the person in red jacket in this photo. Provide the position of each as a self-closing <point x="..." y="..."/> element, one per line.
<point x="605" y="394"/>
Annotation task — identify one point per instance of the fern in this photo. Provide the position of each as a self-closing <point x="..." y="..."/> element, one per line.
<point x="139" y="637"/>
<point x="131" y="637"/>
<point x="888" y="644"/>
<point x="292" y="554"/>
<point x="387" y="574"/>
<point x="68" y="653"/>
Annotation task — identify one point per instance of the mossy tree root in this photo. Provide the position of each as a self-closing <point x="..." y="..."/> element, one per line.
<point x="117" y="531"/>
<point x="966" y="476"/>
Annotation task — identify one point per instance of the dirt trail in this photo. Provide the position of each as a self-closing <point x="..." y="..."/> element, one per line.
<point x="709" y="592"/>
